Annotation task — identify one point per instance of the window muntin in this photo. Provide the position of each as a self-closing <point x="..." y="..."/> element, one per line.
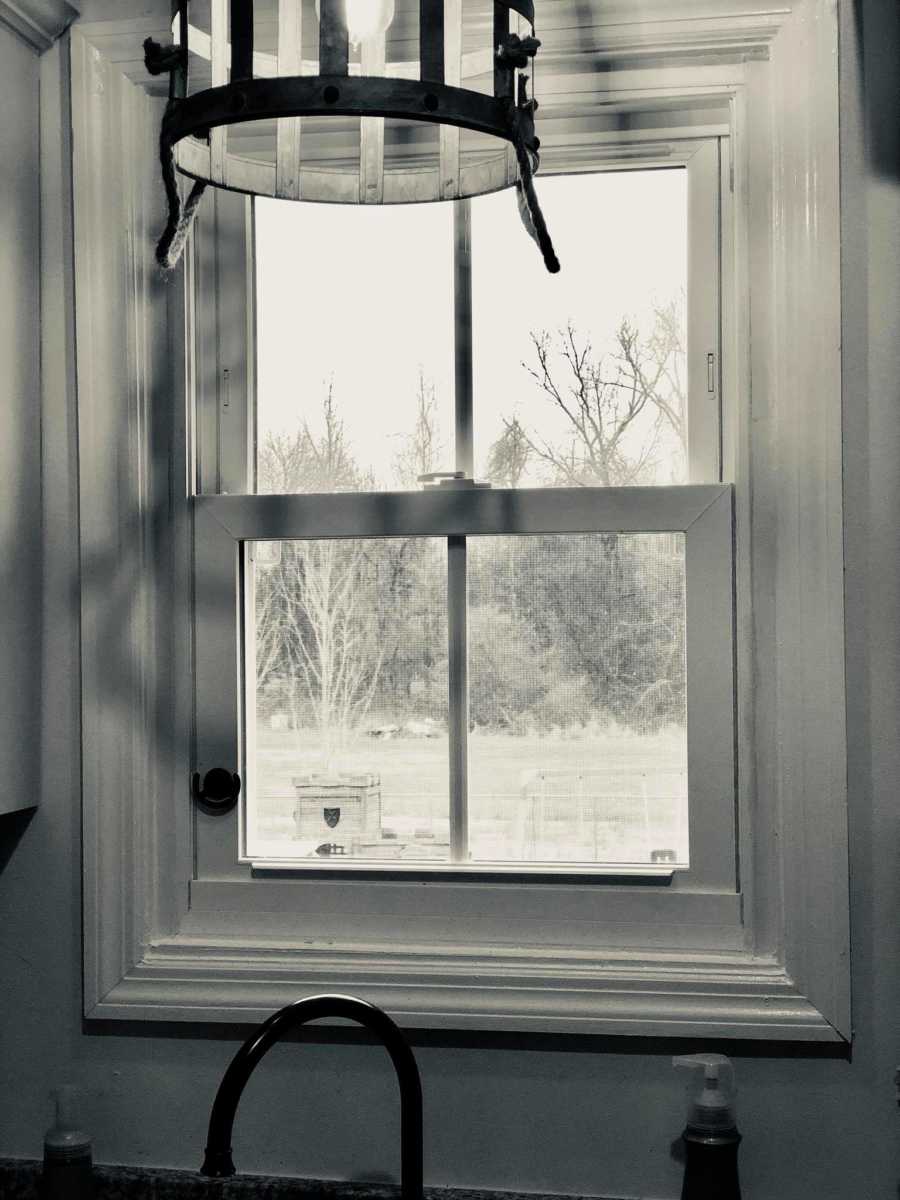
<point x="465" y="403"/>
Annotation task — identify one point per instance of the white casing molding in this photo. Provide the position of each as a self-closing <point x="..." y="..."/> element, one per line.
<point x="39" y="22"/>
<point x="147" y="954"/>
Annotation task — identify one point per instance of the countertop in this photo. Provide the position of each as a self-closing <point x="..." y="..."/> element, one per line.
<point x="20" y="1180"/>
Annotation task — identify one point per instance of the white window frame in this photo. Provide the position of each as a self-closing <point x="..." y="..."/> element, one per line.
<point x="225" y="882"/>
<point x="147" y="954"/>
<point x="217" y="280"/>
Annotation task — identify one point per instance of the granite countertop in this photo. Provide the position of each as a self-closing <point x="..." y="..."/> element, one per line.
<point x="20" y="1180"/>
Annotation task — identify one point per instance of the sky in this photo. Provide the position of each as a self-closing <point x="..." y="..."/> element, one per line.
<point x="360" y="299"/>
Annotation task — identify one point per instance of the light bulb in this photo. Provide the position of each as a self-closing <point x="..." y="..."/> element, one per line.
<point x="365" y="18"/>
<point x="368" y="18"/>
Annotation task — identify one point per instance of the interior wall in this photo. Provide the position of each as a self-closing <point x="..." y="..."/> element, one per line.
<point x="522" y="1114"/>
<point x="20" y="496"/>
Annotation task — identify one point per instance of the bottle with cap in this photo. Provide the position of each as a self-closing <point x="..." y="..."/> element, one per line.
<point x="68" y="1159"/>
<point x="711" y="1138"/>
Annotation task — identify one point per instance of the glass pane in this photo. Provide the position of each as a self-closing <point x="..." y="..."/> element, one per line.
<point x="354" y="340"/>
<point x="577" y="712"/>
<point x="347" y="731"/>
<point x="580" y="378"/>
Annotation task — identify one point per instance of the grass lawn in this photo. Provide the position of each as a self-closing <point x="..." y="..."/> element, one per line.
<point x="611" y="796"/>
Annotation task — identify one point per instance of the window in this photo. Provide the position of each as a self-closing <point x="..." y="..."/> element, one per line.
<point x="748" y="940"/>
<point x="500" y="681"/>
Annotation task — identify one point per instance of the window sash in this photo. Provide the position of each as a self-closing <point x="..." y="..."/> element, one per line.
<point x="221" y="268"/>
<point x="469" y="512"/>
<point x="703" y="513"/>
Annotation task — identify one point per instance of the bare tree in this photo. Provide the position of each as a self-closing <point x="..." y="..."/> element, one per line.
<point x="327" y="634"/>
<point x="509" y="455"/>
<point x="617" y="408"/>
<point x="268" y="649"/>
<point x="611" y="614"/>
<point x="664" y="354"/>
<point x="314" y="628"/>
<point x="302" y="462"/>
<point x="422" y="449"/>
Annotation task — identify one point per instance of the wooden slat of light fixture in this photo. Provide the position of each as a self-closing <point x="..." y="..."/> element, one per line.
<point x="290" y="59"/>
<point x="431" y="40"/>
<point x="219" y="66"/>
<point x="241" y="40"/>
<point x="449" y="134"/>
<point x="371" y="130"/>
<point x="334" y="45"/>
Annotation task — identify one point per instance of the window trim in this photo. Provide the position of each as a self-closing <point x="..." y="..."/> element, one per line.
<point x="791" y="979"/>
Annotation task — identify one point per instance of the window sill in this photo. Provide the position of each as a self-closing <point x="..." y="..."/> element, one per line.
<point x="454" y="872"/>
<point x="716" y="995"/>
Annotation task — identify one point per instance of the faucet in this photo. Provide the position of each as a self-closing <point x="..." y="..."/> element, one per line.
<point x="218" y="1162"/>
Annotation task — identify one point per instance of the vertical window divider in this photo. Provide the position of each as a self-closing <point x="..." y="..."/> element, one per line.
<point x="457" y="586"/>
<point x="458" y="697"/>
<point x="464" y="441"/>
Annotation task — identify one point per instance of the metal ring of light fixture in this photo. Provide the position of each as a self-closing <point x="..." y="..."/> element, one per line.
<point x="194" y="125"/>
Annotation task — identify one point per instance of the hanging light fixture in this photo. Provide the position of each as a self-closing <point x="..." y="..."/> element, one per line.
<point x="349" y="101"/>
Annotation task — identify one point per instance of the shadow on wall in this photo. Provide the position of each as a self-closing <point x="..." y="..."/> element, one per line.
<point x="12" y="830"/>
<point x="116" y="586"/>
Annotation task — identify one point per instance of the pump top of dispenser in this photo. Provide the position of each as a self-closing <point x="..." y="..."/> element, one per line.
<point x="711" y="1096"/>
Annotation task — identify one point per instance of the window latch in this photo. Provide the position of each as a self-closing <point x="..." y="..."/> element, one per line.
<point x="219" y="790"/>
<point x="454" y="480"/>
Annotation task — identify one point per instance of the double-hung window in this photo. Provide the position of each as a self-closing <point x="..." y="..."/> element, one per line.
<point x="473" y="522"/>
<point x="565" y="752"/>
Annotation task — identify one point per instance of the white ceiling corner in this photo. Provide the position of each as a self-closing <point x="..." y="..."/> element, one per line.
<point x="39" y="22"/>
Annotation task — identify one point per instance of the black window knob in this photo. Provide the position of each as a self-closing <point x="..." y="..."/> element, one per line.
<point x="218" y="791"/>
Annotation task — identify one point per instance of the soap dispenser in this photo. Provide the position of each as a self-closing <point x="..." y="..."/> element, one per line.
<point x="711" y="1138"/>
<point x="68" y="1159"/>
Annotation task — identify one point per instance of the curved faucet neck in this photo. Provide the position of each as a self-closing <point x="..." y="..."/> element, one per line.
<point x="218" y="1161"/>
